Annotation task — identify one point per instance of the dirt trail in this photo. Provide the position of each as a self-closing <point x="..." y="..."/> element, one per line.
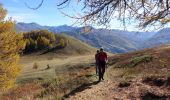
<point x="138" y="89"/>
<point x="99" y="91"/>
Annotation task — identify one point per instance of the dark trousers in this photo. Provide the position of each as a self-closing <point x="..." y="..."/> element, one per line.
<point x="96" y="69"/>
<point x="102" y="65"/>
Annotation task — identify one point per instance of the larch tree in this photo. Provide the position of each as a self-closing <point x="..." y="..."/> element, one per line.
<point x="62" y="42"/>
<point x="42" y="42"/>
<point x="11" y="44"/>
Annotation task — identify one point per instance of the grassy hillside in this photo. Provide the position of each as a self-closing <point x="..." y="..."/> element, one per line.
<point x="140" y="75"/>
<point x="61" y="77"/>
<point x="148" y="62"/>
<point x="72" y="47"/>
<point x="64" y="75"/>
<point x="75" y="46"/>
<point x="53" y="74"/>
<point x="54" y="58"/>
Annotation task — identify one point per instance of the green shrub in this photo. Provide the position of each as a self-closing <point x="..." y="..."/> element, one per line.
<point x="136" y="60"/>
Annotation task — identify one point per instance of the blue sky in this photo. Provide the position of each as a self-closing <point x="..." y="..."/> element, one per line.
<point x="48" y="14"/>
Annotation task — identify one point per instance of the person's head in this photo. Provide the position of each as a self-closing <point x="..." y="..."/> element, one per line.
<point x="97" y="51"/>
<point x="101" y="49"/>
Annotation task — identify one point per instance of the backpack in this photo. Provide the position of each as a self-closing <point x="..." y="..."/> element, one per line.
<point x="102" y="56"/>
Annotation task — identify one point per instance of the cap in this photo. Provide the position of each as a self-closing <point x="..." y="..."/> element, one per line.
<point x="101" y="48"/>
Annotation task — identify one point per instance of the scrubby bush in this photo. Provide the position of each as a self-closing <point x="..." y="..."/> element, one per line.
<point x="35" y="66"/>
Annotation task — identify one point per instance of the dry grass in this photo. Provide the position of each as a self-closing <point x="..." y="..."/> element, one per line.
<point x="35" y="66"/>
<point x="24" y="92"/>
<point x="53" y="74"/>
<point x="66" y="73"/>
<point x="149" y="62"/>
<point x="63" y="76"/>
<point x="63" y="84"/>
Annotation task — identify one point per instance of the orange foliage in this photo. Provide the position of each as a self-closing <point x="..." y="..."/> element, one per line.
<point x="10" y="45"/>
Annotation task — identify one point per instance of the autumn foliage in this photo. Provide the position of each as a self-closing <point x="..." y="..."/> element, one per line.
<point x="38" y="40"/>
<point x="42" y="39"/>
<point x="11" y="44"/>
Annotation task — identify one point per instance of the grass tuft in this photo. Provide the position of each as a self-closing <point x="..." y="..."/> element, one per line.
<point x="136" y="60"/>
<point x="35" y="66"/>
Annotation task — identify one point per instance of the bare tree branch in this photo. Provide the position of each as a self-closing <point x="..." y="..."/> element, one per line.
<point x="35" y="8"/>
<point x="65" y="1"/>
<point x="147" y="12"/>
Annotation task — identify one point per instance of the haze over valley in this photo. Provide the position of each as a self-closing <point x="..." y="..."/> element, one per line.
<point x="112" y="40"/>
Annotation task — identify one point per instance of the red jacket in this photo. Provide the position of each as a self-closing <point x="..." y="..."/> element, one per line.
<point x="102" y="56"/>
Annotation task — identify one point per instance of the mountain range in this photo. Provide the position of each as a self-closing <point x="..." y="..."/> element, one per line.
<point x="112" y="40"/>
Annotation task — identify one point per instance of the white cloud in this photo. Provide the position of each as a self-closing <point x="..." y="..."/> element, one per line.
<point x="21" y="17"/>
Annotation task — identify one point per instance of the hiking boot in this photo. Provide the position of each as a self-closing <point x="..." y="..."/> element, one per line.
<point x="99" y="80"/>
<point x="102" y="78"/>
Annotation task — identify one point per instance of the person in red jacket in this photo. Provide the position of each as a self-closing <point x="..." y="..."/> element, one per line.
<point x="102" y="57"/>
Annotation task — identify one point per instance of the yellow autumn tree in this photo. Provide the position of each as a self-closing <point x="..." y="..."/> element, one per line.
<point x="11" y="44"/>
<point x="62" y="42"/>
<point x="43" y="42"/>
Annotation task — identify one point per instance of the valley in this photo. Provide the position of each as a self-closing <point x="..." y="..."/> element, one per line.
<point x="112" y="40"/>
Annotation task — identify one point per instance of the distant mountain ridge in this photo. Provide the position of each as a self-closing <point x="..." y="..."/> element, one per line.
<point x="115" y="41"/>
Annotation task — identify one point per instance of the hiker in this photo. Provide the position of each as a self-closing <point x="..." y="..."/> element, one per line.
<point x="102" y="63"/>
<point x="97" y="61"/>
